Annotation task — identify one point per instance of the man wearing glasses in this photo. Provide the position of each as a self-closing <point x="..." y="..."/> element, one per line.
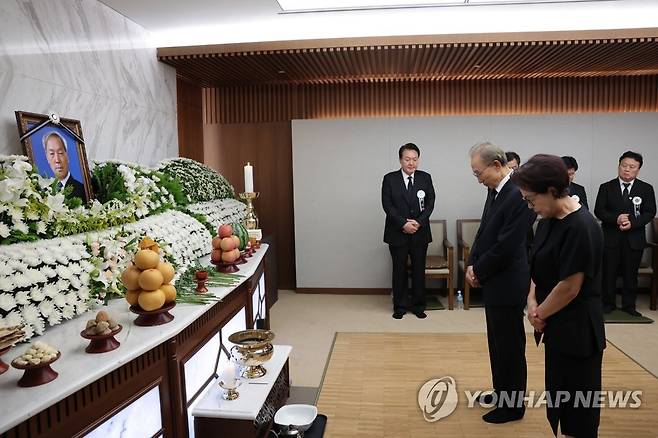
<point x="625" y="205"/>
<point x="499" y="265"/>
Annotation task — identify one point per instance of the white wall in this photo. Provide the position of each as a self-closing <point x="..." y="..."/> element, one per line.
<point x="338" y="167"/>
<point x="85" y="61"/>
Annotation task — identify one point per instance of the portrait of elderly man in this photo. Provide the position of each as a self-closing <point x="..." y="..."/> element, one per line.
<point x="56" y="151"/>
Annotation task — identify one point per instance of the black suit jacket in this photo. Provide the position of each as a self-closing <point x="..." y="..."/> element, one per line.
<point x="609" y="205"/>
<point x="499" y="255"/>
<point x="78" y="188"/>
<point x="578" y="190"/>
<point x="399" y="206"/>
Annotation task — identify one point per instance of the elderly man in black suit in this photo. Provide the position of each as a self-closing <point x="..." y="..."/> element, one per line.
<point x="408" y="201"/>
<point x="575" y="189"/>
<point x="56" y="150"/>
<point x="499" y="265"/>
<point x="625" y="205"/>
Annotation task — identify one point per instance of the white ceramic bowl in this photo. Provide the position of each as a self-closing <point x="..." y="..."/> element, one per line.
<point x="300" y="416"/>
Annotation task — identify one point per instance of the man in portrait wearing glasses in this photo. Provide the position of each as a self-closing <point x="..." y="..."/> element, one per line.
<point x="499" y="265"/>
<point x="625" y="205"/>
<point x="56" y="150"/>
<point x="408" y="201"/>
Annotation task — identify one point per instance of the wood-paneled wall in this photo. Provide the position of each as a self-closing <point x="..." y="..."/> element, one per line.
<point x="404" y="98"/>
<point x="268" y="147"/>
<point x="190" y="119"/>
<point x="253" y="123"/>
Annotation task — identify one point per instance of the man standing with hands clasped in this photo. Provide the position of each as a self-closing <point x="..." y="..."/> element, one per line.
<point x="408" y="201"/>
<point x="625" y="205"/>
<point x="499" y="265"/>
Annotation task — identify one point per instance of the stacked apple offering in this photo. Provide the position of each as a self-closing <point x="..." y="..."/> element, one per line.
<point x="148" y="278"/>
<point x="225" y="247"/>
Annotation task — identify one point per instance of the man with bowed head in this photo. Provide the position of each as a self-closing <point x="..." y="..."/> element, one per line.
<point x="625" y="205"/>
<point x="499" y="265"/>
<point x="408" y="201"/>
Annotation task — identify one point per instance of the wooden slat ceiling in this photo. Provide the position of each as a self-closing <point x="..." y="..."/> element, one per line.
<point x="445" y="61"/>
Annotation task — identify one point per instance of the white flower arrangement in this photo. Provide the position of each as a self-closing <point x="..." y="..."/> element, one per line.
<point x="200" y="182"/>
<point x="220" y="211"/>
<point x="79" y="253"/>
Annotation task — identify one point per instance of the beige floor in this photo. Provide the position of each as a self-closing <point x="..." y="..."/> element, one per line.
<point x="309" y="323"/>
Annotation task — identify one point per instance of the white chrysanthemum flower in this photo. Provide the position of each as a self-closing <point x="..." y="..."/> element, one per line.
<point x="62" y="259"/>
<point x="37" y="294"/>
<point x="32" y="261"/>
<point x="59" y="300"/>
<point x="41" y="227"/>
<point x="72" y="299"/>
<point x="13" y="318"/>
<point x="29" y="331"/>
<point x="83" y="294"/>
<point x="50" y="290"/>
<point x="68" y="312"/>
<point x="30" y="313"/>
<point x="75" y="282"/>
<point x="46" y="308"/>
<point x="4" y="230"/>
<point x="35" y="276"/>
<point x="31" y="215"/>
<point x="64" y="272"/>
<point x="39" y="326"/>
<point x="7" y="302"/>
<point x="6" y="270"/>
<point x="22" y="297"/>
<point x="63" y="285"/>
<point x="81" y="307"/>
<point x="21" y="226"/>
<point x="48" y="258"/>
<point x="75" y="268"/>
<point x="48" y="271"/>
<point x="55" y="317"/>
<point x="84" y="278"/>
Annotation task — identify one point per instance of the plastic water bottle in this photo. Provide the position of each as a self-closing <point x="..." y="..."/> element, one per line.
<point x="460" y="300"/>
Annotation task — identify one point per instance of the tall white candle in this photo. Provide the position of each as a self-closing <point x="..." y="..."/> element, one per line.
<point x="248" y="178"/>
<point x="228" y="375"/>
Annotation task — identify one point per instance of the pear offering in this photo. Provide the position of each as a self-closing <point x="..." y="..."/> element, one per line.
<point x="148" y="278"/>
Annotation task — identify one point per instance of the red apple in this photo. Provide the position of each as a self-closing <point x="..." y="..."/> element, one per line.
<point x="227" y="244"/>
<point x="216" y="256"/>
<point x="225" y="230"/>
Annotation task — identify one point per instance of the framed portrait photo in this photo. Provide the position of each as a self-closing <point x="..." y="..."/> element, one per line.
<point x="56" y="149"/>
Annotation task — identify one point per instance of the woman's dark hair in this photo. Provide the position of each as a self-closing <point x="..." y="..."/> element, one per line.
<point x="541" y="173"/>
<point x="633" y="155"/>
<point x="410" y="147"/>
<point x="570" y="162"/>
<point x="511" y="155"/>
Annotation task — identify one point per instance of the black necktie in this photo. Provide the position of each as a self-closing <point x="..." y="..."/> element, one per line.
<point x="410" y="185"/>
<point x="625" y="192"/>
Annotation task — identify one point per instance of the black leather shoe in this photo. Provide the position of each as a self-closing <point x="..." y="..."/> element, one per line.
<point x="398" y="315"/>
<point x="632" y="312"/>
<point x="486" y="399"/>
<point x="420" y="315"/>
<point x="503" y="415"/>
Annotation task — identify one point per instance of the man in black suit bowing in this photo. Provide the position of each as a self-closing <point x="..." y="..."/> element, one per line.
<point x="408" y="201"/>
<point x="625" y="205"/>
<point x="575" y="189"/>
<point x="499" y="265"/>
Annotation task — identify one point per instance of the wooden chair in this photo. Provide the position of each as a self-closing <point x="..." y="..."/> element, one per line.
<point x="466" y="231"/>
<point x="649" y="263"/>
<point x="439" y="264"/>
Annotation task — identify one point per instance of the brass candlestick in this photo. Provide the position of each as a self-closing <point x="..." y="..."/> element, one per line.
<point x="251" y="221"/>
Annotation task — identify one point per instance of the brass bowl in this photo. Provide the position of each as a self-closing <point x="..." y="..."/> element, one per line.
<point x="251" y="350"/>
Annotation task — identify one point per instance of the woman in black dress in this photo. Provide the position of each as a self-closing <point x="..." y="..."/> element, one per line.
<point x="564" y="302"/>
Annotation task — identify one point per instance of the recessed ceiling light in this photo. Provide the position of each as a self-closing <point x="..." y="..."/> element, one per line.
<point x="293" y="6"/>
